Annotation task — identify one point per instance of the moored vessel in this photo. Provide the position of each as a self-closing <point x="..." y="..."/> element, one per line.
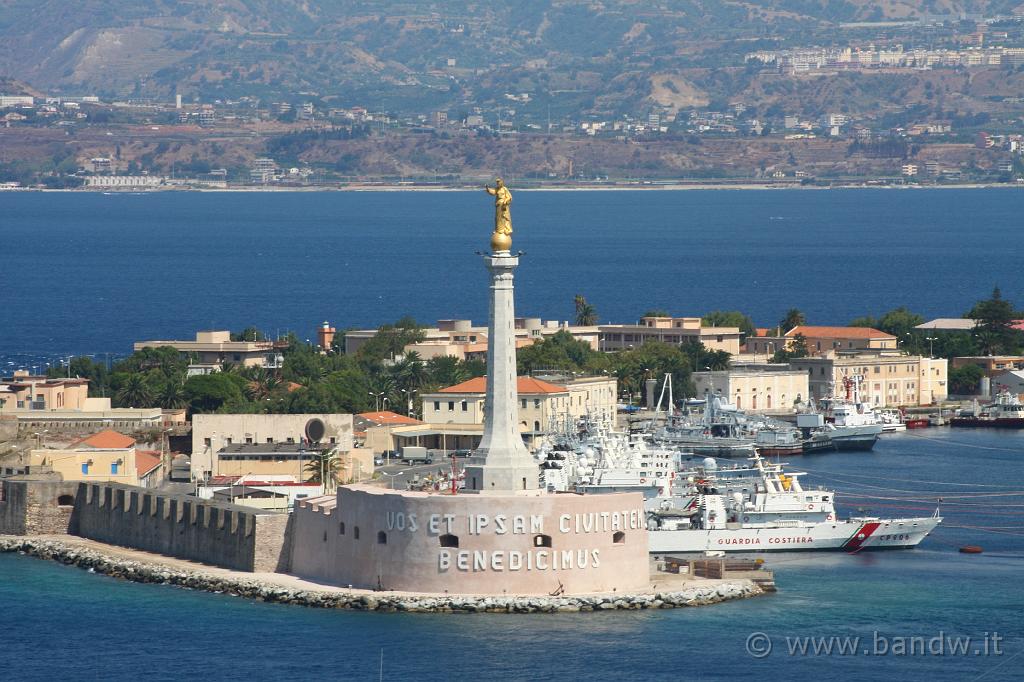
<point x="771" y="511"/>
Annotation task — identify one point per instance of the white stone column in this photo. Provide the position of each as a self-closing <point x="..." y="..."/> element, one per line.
<point x="501" y="464"/>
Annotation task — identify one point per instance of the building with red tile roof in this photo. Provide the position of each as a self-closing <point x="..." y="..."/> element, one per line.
<point x="524" y="385"/>
<point x="822" y="340"/>
<point x="107" y="439"/>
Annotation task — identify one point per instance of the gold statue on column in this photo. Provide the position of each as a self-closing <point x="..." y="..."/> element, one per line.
<point x="501" y="240"/>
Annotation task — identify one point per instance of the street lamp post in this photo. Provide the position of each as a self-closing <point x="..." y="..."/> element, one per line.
<point x="391" y="483"/>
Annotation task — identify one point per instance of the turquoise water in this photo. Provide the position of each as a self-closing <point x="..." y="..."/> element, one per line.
<point x="61" y="622"/>
<point x="90" y="273"/>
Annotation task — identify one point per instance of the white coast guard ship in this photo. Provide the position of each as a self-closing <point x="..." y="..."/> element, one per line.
<point x="770" y="511"/>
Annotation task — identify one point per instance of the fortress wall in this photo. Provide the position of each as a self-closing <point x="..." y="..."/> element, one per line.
<point x="34" y="507"/>
<point x="527" y="545"/>
<point x="176" y="525"/>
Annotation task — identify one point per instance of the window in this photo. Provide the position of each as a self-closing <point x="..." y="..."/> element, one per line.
<point x="113" y="468"/>
<point x="341" y="528"/>
<point x="85" y="468"/>
<point x="355" y="532"/>
<point x="536" y="426"/>
<point x="382" y="538"/>
<point x="290" y="439"/>
<point x="619" y="538"/>
<point x="66" y="501"/>
<point x="248" y="440"/>
<point x="523" y="403"/>
<point x="465" y="406"/>
<point x="237" y="357"/>
<point x="207" y="442"/>
<point x="451" y="405"/>
<point x="228" y="441"/>
<point x="536" y="402"/>
<point x="448" y="540"/>
<point x="437" y="404"/>
<point x="270" y="440"/>
<point x="541" y="540"/>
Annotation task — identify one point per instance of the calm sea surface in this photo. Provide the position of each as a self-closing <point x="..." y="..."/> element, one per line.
<point x="64" y="623"/>
<point x="90" y="273"/>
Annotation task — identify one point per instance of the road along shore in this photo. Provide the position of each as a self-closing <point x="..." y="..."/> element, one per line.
<point x="144" y="567"/>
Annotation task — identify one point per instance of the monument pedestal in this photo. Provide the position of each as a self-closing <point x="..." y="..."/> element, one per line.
<point x="502" y="464"/>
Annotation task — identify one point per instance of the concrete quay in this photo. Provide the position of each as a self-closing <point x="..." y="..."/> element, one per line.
<point x="145" y="567"/>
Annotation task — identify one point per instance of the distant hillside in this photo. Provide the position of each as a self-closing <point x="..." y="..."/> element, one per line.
<point x="568" y="55"/>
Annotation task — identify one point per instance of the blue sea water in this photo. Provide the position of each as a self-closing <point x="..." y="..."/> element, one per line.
<point x="64" y="623"/>
<point x="90" y="273"/>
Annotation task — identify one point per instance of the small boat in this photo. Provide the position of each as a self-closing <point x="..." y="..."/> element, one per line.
<point x="917" y="422"/>
<point x="970" y="549"/>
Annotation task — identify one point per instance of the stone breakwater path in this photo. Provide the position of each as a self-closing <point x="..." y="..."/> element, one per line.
<point x="144" y="567"/>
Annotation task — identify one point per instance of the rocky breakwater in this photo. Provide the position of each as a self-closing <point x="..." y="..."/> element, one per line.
<point x="242" y="585"/>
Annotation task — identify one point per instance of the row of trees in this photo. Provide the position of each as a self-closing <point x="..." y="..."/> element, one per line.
<point x="382" y="375"/>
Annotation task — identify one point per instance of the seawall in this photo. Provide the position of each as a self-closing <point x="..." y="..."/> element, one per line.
<point x="152" y="570"/>
<point x="227" y="535"/>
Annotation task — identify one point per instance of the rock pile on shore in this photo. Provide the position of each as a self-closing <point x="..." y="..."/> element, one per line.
<point x="253" y="588"/>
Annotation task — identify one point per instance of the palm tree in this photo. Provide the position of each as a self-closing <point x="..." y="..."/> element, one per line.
<point x="793" y="318"/>
<point x="410" y="372"/>
<point x="135" y="392"/>
<point x="447" y="370"/>
<point x="172" y="395"/>
<point x="586" y="314"/>
<point x="324" y="468"/>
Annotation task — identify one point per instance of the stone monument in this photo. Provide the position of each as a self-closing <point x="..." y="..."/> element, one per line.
<point x="502" y="464"/>
<point x="510" y="537"/>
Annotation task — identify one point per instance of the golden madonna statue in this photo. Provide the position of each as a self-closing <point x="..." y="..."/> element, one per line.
<point x="501" y="240"/>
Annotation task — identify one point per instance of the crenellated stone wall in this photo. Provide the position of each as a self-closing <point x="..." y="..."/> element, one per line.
<point x="232" y="536"/>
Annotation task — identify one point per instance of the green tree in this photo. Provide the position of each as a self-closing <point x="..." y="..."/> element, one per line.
<point x="865" y="321"/>
<point x="586" y="314"/>
<point x="561" y="350"/>
<point x="730" y="318"/>
<point x="653" y="360"/>
<point x="995" y="317"/>
<point x="965" y="380"/>
<point x="656" y="312"/>
<point x="793" y="318"/>
<point x="797" y="349"/>
<point x="410" y="373"/>
<point x="172" y="395"/>
<point x="324" y="468"/>
<point x="211" y="392"/>
<point x="391" y="340"/>
<point x="135" y="392"/>
<point x="446" y="370"/>
<point x="248" y="334"/>
<point x="899" y="322"/>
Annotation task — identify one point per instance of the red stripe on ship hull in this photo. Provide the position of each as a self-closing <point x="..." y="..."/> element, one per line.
<point x="861" y="536"/>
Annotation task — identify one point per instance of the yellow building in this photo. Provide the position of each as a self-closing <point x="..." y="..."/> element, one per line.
<point x="217" y="348"/>
<point x="463" y="340"/>
<point x="992" y="365"/>
<point x="824" y="340"/>
<point x="889" y="379"/>
<point x="104" y="456"/>
<point x="454" y="416"/>
<point x="755" y="388"/>
<point x="274" y="461"/>
<point x="671" y="330"/>
<point x="24" y="391"/>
